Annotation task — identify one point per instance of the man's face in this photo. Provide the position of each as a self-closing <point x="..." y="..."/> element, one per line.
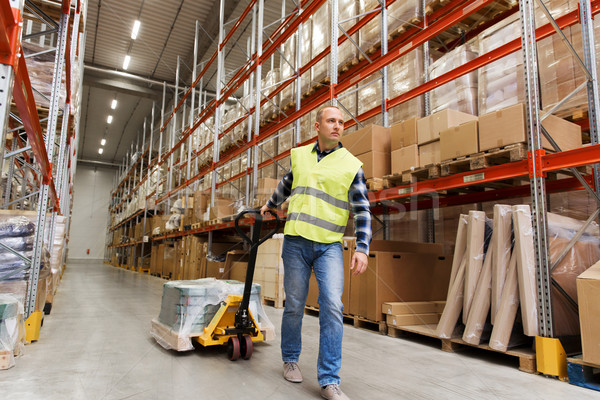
<point x="331" y="126"/>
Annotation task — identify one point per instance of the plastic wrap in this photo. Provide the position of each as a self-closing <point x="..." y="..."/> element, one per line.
<point x="40" y="66"/>
<point x="502" y="252"/>
<point x="583" y="255"/>
<point x="507" y="310"/>
<point x="321" y="32"/>
<point x="12" y="329"/>
<point x="188" y="307"/>
<point x="461" y="93"/>
<point x="16" y="243"/>
<point x="475" y="254"/>
<point x="501" y="83"/>
<point x="526" y="270"/>
<point x="270" y="110"/>
<point x="16" y="226"/>
<point x="561" y="73"/>
<point x="402" y="14"/>
<point x="406" y="73"/>
<point x="370" y="34"/>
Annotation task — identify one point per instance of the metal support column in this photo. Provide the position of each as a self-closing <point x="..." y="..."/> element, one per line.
<point x="536" y="178"/>
<point x="333" y="54"/>
<point x="50" y="137"/>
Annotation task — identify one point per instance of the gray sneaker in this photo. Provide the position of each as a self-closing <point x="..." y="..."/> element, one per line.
<point x="333" y="392"/>
<point x="291" y="372"/>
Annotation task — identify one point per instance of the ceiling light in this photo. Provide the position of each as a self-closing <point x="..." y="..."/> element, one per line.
<point x="100" y="150"/>
<point x="113" y="105"/>
<point x="109" y="119"/>
<point x="102" y="142"/>
<point x="136" y="29"/>
<point x="126" y="61"/>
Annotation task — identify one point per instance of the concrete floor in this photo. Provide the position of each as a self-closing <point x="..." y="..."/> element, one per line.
<point x="96" y="345"/>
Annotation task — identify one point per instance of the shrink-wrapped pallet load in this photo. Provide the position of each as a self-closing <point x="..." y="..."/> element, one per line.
<point x="188" y="307"/>
<point x="404" y="74"/>
<point x="461" y="93"/>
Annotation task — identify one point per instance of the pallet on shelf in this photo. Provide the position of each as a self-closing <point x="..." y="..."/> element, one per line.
<point x="526" y="356"/>
<point x="501" y="155"/>
<point x="408" y="177"/>
<point x="374" y="184"/>
<point x="583" y="373"/>
<point x="411" y="23"/>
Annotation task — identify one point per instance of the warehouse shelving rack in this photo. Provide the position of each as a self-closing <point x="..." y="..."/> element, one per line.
<point x="535" y="167"/>
<point x="43" y="165"/>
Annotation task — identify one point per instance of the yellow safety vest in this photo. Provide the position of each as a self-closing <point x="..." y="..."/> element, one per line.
<point x="319" y="208"/>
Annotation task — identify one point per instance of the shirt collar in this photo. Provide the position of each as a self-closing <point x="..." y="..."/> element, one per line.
<point x="316" y="147"/>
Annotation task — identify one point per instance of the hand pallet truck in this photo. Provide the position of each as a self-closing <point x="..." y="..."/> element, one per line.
<point x="233" y="323"/>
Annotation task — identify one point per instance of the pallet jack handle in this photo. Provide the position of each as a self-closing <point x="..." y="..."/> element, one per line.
<point x="242" y="319"/>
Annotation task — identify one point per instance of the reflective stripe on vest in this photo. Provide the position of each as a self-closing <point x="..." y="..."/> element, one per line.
<point x="319" y="206"/>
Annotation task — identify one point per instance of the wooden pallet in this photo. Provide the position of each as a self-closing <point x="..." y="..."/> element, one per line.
<point x="583" y="374"/>
<point x="274" y="302"/>
<point x="430" y="171"/>
<point x="526" y="356"/>
<point x="473" y="162"/>
<point x="374" y="184"/>
<point x="414" y="21"/>
<point x="369" y="51"/>
<point x="197" y="225"/>
<point x="573" y="114"/>
<point x="348" y="65"/>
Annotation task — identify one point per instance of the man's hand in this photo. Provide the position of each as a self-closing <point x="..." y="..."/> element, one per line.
<point x="359" y="263"/>
<point x="264" y="210"/>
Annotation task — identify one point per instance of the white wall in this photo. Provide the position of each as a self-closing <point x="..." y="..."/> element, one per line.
<point x="90" y="212"/>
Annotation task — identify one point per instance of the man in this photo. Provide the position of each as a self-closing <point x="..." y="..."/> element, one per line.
<point x="325" y="181"/>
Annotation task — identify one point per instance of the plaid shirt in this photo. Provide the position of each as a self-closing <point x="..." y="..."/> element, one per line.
<point x="357" y="196"/>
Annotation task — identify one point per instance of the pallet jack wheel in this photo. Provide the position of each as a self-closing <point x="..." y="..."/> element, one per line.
<point x="233" y="348"/>
<point x="247" y="346"/>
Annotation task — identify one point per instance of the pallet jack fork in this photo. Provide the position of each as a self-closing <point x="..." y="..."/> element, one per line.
<point x="234" y="324"/>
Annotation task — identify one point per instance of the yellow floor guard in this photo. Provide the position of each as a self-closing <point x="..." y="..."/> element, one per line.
<point x="551" y="357"/>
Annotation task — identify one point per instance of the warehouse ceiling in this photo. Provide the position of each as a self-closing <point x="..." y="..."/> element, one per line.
<point x="166" y="32"/>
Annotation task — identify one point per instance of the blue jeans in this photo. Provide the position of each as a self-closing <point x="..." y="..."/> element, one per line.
<point x="300" y="256"/>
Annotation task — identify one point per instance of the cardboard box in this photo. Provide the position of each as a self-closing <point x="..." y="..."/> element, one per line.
<point x="429" y="128"/>
<point x="375" y="164"/>
<point x="399" y="271"/>
<point x="409" y="307"/>
<point x="236" y="264"/>
<point x="216" y="269"/>
<point x="367" y="139"/>
<point x="405" y="159"/>
<point x="507" y="126"/>
<point x="404" y="134"/>
<point x="201" y="201"/>
<point x="221" y="209"/>
<point x="429" y="154"/>
<point x="459" y="140"/>
<point x="168" y="267"/>
<point x="412" y="319"/>
<point x="588" y="294"/>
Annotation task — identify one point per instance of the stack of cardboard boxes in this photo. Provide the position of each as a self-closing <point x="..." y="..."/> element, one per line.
<point x="371" y="145"/>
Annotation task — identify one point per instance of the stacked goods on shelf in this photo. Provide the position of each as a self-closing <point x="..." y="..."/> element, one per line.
<point x="270" y="110"/>
<point x="12" y="330"/>
<point x="188" y="307"/>
<point x="56" y="257"/>
<point x="404" y="147"/>
<point x="588" y="292"/>
<point x="561" y="73"/>
<point x="429" y="129"/>
<point x="398" y="271"/>
<point x="507" y="126"/>
<point x="17" y="229"/>
<point x="459" y="140"/>
<point x="501" y="83"/>
<point x="459" y="94"/>
<point x="371" y="145"/>
<point x="406" y="73"/>
<point x="493" y="274"/>
<point x="40" y="66"/>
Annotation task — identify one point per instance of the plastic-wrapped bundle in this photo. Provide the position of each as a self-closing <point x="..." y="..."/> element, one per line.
<point x="402" y="14"/>
<point x="560" y="72"/>
<point x="12" y="329"/>
<point x="461" y="93"/>
<point x="16" y="243"/>
<point x="188" y="307"/>
<point x="370" y="34"/>
<point x="16" y="226"/>
<point x="321" y="32"/>
<point x="269" y="111"/>
<point x="370" y="95"/>
<point x="285" y="140"/>
<point x="240" y="132"/>
<point x="501" y="83"/>
<point x="404" y="74"/>
<point x="40" y="65"/>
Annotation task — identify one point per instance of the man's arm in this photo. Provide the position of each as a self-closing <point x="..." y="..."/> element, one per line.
<point x="282" y="192"/>
<point x="359" y="201"/>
